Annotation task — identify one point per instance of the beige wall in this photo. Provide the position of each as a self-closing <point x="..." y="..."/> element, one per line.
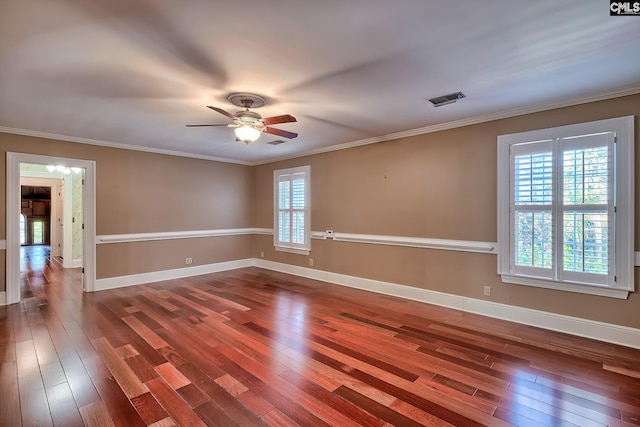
<point x="139" y="192"/>
<point x="122" y="259"/>
<point x="437" y="185"/>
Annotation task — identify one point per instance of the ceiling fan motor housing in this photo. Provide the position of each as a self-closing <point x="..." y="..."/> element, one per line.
<point x="250" y="118"/>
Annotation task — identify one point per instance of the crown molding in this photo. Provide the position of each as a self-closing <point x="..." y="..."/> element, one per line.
<point x="37" y="134"/>
<point x="513" y="112"/>
<point x="504" y="114"/>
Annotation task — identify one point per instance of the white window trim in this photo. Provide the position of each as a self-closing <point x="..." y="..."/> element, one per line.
<point x="624" y="232"/>
<point x="307" y="210"/>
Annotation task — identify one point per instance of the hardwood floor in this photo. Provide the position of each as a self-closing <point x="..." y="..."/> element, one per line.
<point x="254" y="347"/>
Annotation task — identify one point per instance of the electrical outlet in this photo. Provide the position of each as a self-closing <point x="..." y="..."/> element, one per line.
<point x="261" y="254"/>
<point x="310" y="262"/>
<point x="487" y="291"/>
<point x="188" y="260"/>
<point x="328" y="234"/>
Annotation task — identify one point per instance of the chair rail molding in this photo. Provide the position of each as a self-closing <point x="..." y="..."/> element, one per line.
<point x="172" y="235"/>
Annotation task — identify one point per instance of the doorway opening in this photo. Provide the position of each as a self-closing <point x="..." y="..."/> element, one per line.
<point x="66" y="223"/>
<point x="51" y="200"/>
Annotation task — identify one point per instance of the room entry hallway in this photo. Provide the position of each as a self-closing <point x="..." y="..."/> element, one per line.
<point x="254" y="347"/>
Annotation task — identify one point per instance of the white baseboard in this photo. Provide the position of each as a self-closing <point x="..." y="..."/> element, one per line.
<point x="3" y="298"/>
<point x="157" y="276"/>
<point x="76" y="263"/>
<point x="616" y="334"/>
<point x="622" y="335"/>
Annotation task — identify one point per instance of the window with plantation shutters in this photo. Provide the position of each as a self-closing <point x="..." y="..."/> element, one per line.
<point x="587" y="208"/>
<point x="532" y="209"/>
<point x="565" y="207"/>
<point x="291" y="216"/>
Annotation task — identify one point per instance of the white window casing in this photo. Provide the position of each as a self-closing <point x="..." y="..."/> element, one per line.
<point x="291" y="217"/>
<point x="566" y="207"/>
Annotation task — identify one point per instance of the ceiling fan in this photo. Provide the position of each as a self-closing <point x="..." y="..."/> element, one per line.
<point x="249" y="125"/>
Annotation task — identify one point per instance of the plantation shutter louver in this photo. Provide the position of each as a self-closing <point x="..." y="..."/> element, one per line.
<point x="292" y="209"/>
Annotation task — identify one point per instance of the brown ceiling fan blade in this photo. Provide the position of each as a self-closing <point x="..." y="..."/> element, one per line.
<point x="280" y="132"/>
<point x="195" y="126"/>
<point x="278" y="119"/>
<point x="224" y="113"/>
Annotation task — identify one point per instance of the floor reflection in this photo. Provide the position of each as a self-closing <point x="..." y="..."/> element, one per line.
<point x="34" y="267"/>
<point x="291" y="323"/>
<point x="34" y="258"/>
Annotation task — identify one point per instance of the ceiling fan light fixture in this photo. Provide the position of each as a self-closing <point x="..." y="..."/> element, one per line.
<point x="247" y="133"/>
<point x="249" y="124"/>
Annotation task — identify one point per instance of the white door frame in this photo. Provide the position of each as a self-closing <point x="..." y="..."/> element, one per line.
<point x="13" y="218"/>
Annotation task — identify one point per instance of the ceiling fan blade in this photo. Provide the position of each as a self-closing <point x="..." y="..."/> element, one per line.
<point x="224" y="113"/>
<point x="195" y="126"/>
<point x="278" y="119"/>
<point x="280" y="132"/>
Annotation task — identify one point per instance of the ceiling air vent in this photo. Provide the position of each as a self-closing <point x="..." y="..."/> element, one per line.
<point x="446" y="99"/>
<point x="276" y="142"/>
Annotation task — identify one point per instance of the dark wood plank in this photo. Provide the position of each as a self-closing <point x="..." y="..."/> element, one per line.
<point x="193" y="395"/>
<point x="96" y="415"/>
<point x="149" y="409"/>
<point x="10" y="401"/>
<point x="45" y="350"/>
<point x="220" y="399"/>
<point x="145" y="332"/>
<point x="173" y="404"/>
<point x="375" y="408"/>
<point x="257" y="347"/>
<point x="82" y="387"/>
<point x="457" y="385"/>
<point x="119" y="408"/>
<point x="172" y="376"/>
<point x="123" y="374"/>
<point x="213" y="415"/>
<point x="334" y="400"/>
<point x="141" y="367"/>
<point x="33" y="399"/>
<point x="63" y="407"/>
<point x="52" y="374"/>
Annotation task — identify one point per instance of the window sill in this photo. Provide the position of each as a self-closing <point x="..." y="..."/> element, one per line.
<point x="602" y="291"/>
<point x="292" y="250"/>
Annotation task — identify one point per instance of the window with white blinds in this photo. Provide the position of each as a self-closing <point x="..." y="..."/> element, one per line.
<point x="565" y="207"/>
<point x="291" y="216"/>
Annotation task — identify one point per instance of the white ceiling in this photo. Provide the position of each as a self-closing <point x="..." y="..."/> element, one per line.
<point x="135" y="72"/>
